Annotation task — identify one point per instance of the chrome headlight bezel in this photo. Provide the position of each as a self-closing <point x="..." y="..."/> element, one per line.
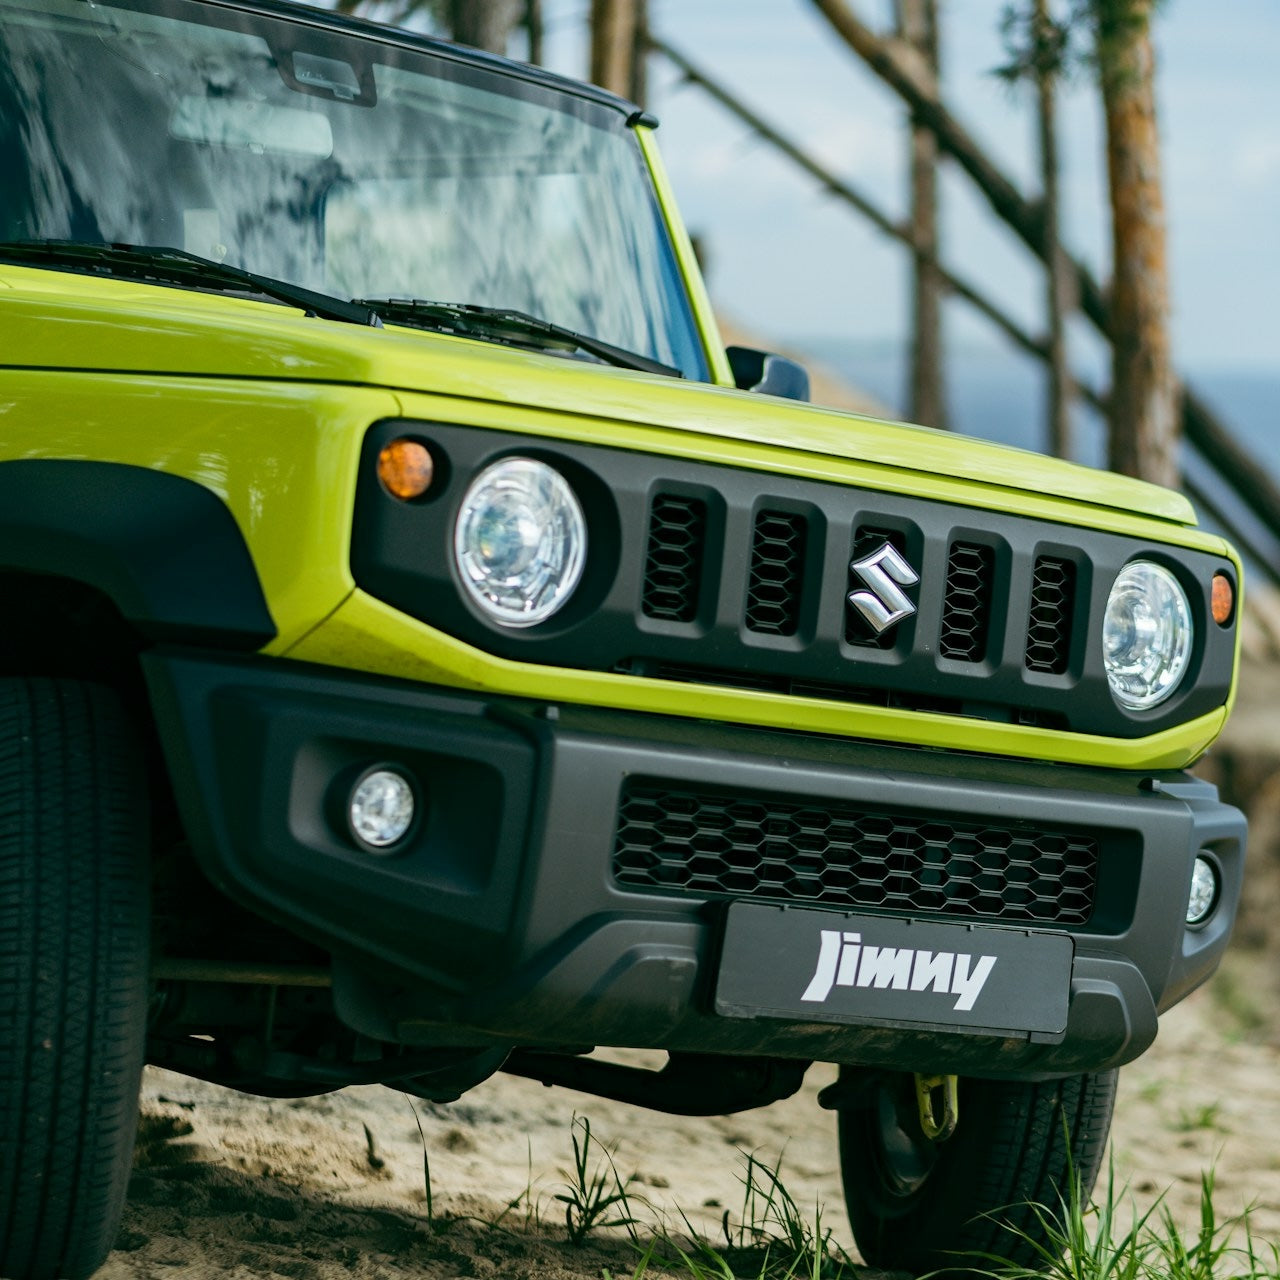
<point x="1148" y="635"/>
<point x="520" y="541"/>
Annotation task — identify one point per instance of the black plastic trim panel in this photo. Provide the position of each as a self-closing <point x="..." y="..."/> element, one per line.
<point x="165" y="550"/>
<point x="988" y="638"/>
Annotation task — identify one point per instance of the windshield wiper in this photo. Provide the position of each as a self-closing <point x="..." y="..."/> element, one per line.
<point x="158" y="265"/>
<point x="495" y="324"/>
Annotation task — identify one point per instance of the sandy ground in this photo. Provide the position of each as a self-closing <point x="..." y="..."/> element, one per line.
<point x="334" y="1187"/>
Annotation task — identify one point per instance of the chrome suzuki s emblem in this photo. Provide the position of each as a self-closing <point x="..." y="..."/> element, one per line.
<point x="885" y="572"/>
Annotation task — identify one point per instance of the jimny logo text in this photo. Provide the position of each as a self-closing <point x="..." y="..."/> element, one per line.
<point x="843" y="961"/>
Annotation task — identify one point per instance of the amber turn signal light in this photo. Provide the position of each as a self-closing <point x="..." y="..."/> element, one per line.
<point x="1223" y="599"/>
<point x="406" y="469"/>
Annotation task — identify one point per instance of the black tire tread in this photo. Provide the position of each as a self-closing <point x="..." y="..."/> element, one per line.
<point x="1054" y="1128"/>
<point x="73" y="973"/>
<point x="1009" y="1163"/>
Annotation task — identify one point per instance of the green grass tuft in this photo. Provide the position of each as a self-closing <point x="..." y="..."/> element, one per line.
<point x="1205" y="1117"/>
<point x="1103" y="1241"/>
<point x="596" y="1196"/>
<point x="772" y="1240"/>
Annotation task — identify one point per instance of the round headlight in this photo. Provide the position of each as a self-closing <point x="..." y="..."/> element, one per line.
<point x="1146" y="635"/>
<point x="520" y="541"/>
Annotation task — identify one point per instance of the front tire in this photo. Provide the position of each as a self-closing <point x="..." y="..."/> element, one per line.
<point x="74" y="916"/>
<point x="915" y="1204"/>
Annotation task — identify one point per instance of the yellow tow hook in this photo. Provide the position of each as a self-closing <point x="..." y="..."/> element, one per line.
<point x="932" y="1093"/>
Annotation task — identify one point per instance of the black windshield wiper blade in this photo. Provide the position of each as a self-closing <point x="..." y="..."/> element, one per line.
<point x="495" y="324"/>
<point x="159" y="265"/>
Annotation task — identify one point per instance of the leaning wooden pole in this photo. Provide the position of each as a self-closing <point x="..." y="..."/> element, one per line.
<point x="892" y="62"/>
<point x="1247" y="476"/>
<point x="844" y="190"/>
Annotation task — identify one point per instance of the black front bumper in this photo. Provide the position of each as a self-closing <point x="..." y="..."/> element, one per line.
<point x="511" y="916"/>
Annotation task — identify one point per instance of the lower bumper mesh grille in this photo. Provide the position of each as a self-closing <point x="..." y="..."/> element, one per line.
<point x="726" y="845"/>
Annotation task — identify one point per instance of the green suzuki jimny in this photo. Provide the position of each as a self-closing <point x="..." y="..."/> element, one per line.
<point x="426" y="651"/>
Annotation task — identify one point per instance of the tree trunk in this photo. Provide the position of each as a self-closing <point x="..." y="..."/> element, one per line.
<point x="1057" y="270"/>
<point x="1144" y="394"/>
<point x="533" y="24"/>
<point x="615" y="33"/>
<point x="918" y="26"/>
<point x="483" y="24"/>
<point x="639" y="91"/>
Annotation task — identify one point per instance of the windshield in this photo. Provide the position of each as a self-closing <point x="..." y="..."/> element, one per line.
<point x="353" y="166"/>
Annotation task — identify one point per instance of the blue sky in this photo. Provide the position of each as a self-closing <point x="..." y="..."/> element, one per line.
<point x="787" y="260"/>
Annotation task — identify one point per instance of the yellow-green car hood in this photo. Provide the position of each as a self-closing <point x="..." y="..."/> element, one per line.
<point x="56" y="319"/>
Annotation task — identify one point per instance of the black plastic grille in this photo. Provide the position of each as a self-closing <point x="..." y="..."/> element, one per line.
<point x="966" y="610"/>
<point x="1053" y="593"/>
<point x="725" y="845"/>
<point x="673" y="560"/>
<point x="777" y="573"/>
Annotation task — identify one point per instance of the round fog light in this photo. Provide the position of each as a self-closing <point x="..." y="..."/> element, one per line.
<point x="1204" y="891"/>
<point x="381" y="809"/>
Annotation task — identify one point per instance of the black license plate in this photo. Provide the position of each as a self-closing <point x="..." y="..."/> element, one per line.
<point x="824" y="966"/>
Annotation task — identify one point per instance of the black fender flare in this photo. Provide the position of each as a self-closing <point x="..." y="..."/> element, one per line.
<point x="164" y="549"/>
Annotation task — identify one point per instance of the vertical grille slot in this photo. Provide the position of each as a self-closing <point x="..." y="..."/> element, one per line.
<point x="777" y="573"/>
<point x="966" y="609"/>
<point x="673" y="558"/>
<point x="1053" y="596"/>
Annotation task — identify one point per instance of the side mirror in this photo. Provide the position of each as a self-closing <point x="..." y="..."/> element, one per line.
<point x="767" y="373"/>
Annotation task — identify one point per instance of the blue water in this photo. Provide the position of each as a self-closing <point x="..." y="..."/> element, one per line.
<point x="1002" y="397"/>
